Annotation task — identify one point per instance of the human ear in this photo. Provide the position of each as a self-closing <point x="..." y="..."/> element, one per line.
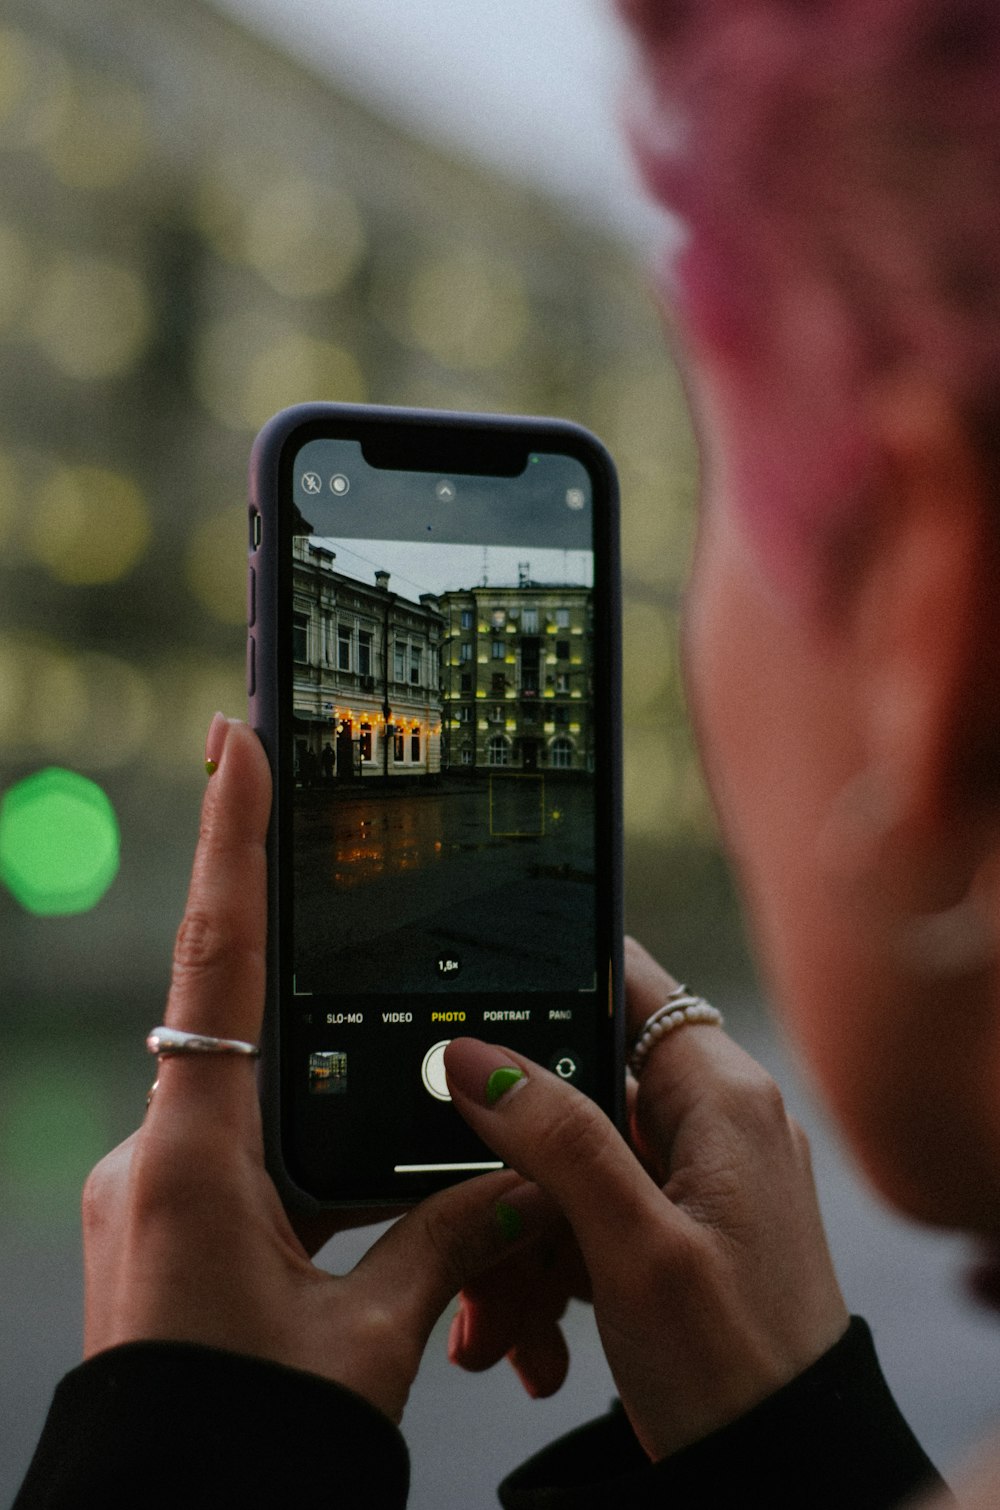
<point x="921" y="616"/>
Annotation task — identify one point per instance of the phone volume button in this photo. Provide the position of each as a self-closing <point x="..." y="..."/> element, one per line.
<point x="251" y="597"/>
<point x="251" y="666"/>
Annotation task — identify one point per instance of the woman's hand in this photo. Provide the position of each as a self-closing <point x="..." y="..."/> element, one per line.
<point x="707" y="1262"/>
<point x="185" y="1237"/>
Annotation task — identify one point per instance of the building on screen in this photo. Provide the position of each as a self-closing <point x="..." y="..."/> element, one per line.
<point x="516" y="672"/>
<point x="366" y="686"/>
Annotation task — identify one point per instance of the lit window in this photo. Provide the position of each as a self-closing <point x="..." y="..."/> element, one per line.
<point x="498" y="750"/>
<point x="561" y="754"/>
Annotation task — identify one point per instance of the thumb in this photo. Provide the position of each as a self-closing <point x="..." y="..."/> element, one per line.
<point x="557" y="1137"/>
<point x="448" y="1241"/>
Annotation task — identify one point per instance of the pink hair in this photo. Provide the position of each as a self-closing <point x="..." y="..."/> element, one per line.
<point x="836" y="165"/>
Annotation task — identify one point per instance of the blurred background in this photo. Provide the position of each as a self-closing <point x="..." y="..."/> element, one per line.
<point x="207" y="212"/>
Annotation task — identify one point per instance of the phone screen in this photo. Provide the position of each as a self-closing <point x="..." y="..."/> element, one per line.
<point x="445" y="855"/>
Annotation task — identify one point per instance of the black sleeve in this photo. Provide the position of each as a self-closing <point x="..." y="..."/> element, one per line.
<point x="172" y="1426"/>
<point x="832" y="1439"/>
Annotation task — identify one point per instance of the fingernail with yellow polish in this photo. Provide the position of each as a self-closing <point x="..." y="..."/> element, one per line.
<point x="216" y="739"/>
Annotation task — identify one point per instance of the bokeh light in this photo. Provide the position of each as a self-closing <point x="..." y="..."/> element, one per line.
<point x="42" y="704"/>
<point x="216" y="566"/>
<point x="92" y="318"/>
<point x="89" y="525"/>
<point x="468" y="309"/>
<point x="101" y="138"/>
<point x="249" y="368"/>
<point x="224" y="200"/>
<point x="35" y="90"/>
<point x="59" y="842"/>
<point x="304" y="238"/>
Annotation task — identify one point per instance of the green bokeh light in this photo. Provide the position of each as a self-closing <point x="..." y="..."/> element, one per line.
<point x="59" y="842"/>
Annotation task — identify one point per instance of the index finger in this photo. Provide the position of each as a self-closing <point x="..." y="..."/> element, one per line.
<point x="218" y="980"/>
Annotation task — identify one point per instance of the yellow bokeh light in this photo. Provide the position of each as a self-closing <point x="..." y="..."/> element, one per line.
<point x="92" y="318"/>
<point x="304" y="239"/>
<point x="35" y="89"/>
<point x="247" y="369"/>
<point x="215" y="566"/>
<point x="223" y="203"/>
<point x="468" y="309"/>
<point x="119" y="711"/>
<point x="101" y="139"/>
<point x="89" y="525"/>
<point x="43" y="702"/>
<point x="15" y="272"/>
<point x="93" y="708"/>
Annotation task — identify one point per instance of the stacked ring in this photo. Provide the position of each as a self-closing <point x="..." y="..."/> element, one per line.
<point x="680" y="1007"/>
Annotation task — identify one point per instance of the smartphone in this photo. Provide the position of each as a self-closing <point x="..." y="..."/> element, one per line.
<point x="433" y="668"/>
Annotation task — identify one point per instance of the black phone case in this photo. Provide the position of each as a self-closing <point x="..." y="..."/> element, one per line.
<point x="290" y="427"/>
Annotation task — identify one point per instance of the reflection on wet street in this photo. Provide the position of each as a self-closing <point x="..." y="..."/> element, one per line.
<point x="499" y="872"/>
<point x="369" y="840"/>
<point x="361" y="839"/>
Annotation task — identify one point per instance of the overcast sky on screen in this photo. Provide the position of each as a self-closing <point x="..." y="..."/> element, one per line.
<point x="535" y="88"/>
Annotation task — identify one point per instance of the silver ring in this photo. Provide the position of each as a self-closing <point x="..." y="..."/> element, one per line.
<point x="167" y="1041"/>
<point x="679" y="1009"/>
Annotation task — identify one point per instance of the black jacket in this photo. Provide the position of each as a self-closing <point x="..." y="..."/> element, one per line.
<point x="156" y="1424"/>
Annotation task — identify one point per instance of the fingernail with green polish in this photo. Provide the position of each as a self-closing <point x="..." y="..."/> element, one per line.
<point x="509" y="1221"/>
<point x="500" y="1082"/>
<point x="211" y="766"/>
